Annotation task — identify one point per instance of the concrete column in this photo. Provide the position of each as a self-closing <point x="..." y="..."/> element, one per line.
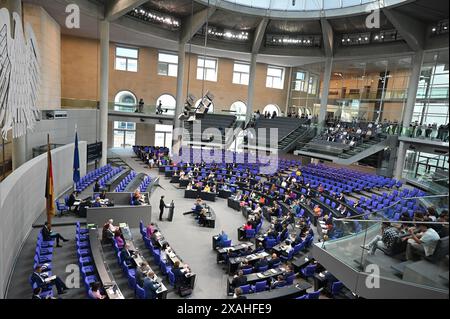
<point x="251" y="87"/>
<point x="401" y="154"/>
<point x="18" y="144"/>
<point x="176" y="141"/>
<point x="325" y="90"/>
<point x="104" y="88"/>
<point x="180" y="83"/>
<point x="412" y="88"/>
<point x="289" y="91"/>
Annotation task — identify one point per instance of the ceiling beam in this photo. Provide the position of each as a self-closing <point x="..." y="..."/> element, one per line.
<point x="115" y="9"/>
<point x="193" y="24"/>
<point x="327" y="37"/>
<point x="412" y="30"/>
<point x="259" y="35"/>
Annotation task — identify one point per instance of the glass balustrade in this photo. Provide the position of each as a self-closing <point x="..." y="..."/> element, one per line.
<point x="383" y="239"/>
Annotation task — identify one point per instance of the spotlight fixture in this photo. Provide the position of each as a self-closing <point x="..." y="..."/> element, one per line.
<point x="155" y="17"/>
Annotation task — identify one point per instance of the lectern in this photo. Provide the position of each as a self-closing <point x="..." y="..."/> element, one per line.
<point x="171" y="210"/>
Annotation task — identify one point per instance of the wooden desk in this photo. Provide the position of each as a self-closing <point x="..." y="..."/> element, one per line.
<point x="104" y="274"/>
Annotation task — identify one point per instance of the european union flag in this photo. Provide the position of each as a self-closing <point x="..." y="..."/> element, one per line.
<point x="76" y="161"/>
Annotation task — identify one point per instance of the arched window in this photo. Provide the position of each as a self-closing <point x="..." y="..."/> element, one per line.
<point x="168" y="103"/>
<point x="240" y="110"/>
<point x="125" y="101"/>
<point x="211" y="107"/>
<point x="270" y="108"/>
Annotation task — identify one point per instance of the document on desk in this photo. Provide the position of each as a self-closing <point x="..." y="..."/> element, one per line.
<point x="49" y="279"/>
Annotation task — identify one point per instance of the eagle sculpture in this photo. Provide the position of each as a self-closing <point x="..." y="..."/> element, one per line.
<point x="19" y="76"/>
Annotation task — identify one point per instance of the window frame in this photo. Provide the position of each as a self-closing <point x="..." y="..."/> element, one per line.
<point x="241" y="74"/>
<point x="272" y="77"/>
<point x="168" y="64"/>
<point x="204" y="74"/>
<point x="126" y="58"/>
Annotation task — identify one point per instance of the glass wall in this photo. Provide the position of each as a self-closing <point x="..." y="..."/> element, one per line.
<point x="368" y="90"/>
<point x="124" y="134"/>
<point x="305" y="83"/>
<point x="431" y="107"/>
<point x="373" y="90"/>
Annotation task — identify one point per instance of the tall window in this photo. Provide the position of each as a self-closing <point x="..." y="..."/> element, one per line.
<point x="167" y="64"/>
<point x="207" y="69"/>
<point x="241" y="73"/>
<point x="275" y="77"/>
<point x="300" y="81"/>
<point x="270" y="108"/>
<point x="127" y="59"/>
<point x="312" y="84"/>
<point x="163" y="135"/>
<point x="124" y="134"/>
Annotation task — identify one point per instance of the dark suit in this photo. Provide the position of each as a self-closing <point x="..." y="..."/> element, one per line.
<point x="39" y="280"/>
<point x="140" y="276"/>
<point x="126" y="256"/>
<point x="162" y="205"/>
<point x="273" y="261"/>
<point x="150" y="287"/>
<point x="284" y="234"/>
<point x="179" y="277"/>
<point x="261" y="263"/>
<point x="48" y="235"/>
<point x="239" y="281"/>
<point x="71" y="200"/>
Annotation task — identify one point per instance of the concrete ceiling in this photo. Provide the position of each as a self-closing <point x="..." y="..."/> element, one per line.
<point x="131" y="31"/>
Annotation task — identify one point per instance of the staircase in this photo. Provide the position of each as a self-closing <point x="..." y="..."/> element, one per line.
<point x="302" y="134"/>
<point x="197" y="137"/>
<point x="353" y="155"/>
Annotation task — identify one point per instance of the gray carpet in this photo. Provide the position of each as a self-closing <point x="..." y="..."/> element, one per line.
<point x="191" y="242"/>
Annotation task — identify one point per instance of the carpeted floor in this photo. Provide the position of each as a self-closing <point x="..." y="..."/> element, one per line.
<point x="191" y="242"/>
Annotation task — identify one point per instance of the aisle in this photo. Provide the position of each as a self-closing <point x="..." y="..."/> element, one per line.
<point x="191" y="242"/>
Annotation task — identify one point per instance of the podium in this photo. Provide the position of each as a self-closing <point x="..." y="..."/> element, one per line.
<point x="171" y="210"/>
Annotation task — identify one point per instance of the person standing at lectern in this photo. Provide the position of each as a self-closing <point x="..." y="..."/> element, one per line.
<point x="162" y="205"/>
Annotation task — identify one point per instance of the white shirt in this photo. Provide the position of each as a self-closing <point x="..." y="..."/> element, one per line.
<point x="429" y="241"/>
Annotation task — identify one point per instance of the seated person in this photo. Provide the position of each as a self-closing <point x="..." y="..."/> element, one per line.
<point x="274" y="260"/>
<point x="109" y="230"/>
<point x="49" y="235"/>
<point x="151" y="286"/>
<point x="288" y="272"/>
<point x="207" y="189"/>
<point x="42" y="280"/>
<point x="289" y="248"/>
<point x="261" y="263"/>
<point x="72" y="200"/>
<point x="137" y="198"/>
<point x="248" y="226"/>
<point x="141" y="273"/>
<point x="189" y="186"/>
<point x="97" y="202"/>
<point x="238" y="294"/>
<point x="94" y="291"/>
<point x="239" y="280"/>
<point x="118" y="238"/>
<point x="179" y="273"/>
<point x="221" y="239"/>
<point x="202" y="217"/>
<point x="126" y="255"/>
<point x="422" y="244"/>
<point x="389" y="235"/>
<point x="103" y="195"/>
<point x="271" y="232"/>
<point x="298" y="239"/>
<point x="280" y="282"/>
<point x="150" y="229"/>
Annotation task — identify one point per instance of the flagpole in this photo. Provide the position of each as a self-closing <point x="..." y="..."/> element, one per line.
<point x="75" y="184"/>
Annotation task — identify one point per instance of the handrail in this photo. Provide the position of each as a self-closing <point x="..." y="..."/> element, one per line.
<point x="394" y="204"/>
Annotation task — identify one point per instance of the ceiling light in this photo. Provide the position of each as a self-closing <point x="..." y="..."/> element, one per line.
<point x="434" y="29"/>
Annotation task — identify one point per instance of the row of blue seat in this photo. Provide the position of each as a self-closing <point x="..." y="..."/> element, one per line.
<point x="85" y="260"/>
<point x="91" y="177"/>
<point x="124" y="183"/>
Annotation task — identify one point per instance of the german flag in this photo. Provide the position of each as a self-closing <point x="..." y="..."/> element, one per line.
<point x="49" y="192"/>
